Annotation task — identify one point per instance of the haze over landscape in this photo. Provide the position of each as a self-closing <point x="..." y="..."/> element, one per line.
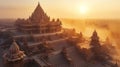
<point x="84" y="16"/>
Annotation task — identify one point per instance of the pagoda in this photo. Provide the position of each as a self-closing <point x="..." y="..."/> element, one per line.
<point x="38" y="22"/>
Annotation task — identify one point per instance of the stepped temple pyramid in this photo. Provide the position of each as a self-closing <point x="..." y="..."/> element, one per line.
<point x="38" y="22"/>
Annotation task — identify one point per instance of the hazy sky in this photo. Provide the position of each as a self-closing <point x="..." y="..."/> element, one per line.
<point x="61" y="8"/>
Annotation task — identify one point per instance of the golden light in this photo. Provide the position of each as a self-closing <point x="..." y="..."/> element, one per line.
<point x="88" y="31"/>
<point x="83" y="9"/>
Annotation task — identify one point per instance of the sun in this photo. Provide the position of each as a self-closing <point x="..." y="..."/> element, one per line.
<point x="83" y="9"/>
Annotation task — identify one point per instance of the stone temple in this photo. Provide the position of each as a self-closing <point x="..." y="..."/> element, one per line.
<point x="38" y="22"/>
<point x="42" y="39"/>
<point x="42" y="42"/>
<point x="14" y="54"/>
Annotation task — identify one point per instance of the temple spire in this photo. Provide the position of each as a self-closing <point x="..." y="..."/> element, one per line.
<point x="95" y="35"/>
<point x="39" y="8"/>
<point x="38" y="15"/>
<point x="39" y="3"/>
<point x="14" y="48"/>
<point x="94" y="39"/>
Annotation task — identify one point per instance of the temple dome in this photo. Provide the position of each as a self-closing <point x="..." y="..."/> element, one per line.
<point x="14" y="53"/>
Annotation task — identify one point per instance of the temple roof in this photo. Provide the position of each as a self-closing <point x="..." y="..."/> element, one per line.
<point x="95" y="35"/>
<point x="14" y="48"/>
<point x="39" y="14"/>
<point x="38" y="9"/>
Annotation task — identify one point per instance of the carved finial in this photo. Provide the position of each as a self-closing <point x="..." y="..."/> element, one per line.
<point x="38" y="3"/>
<point x="95" y="32"/>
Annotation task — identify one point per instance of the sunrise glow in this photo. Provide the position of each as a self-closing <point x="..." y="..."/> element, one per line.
<point x="83" y="9"/>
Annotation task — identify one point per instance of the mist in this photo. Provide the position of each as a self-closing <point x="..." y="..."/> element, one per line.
<point x="105" y="28"/>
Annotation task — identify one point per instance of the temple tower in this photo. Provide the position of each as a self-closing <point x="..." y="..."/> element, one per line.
<point x="94" y="40"/>
<point x="39" y="22"/>
<point x="95" y="46"/>
<point x="13" y="57"/>
<point x="39" y="15"/>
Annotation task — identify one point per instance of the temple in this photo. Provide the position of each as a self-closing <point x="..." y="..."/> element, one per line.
<point x="38" y="22"/>
<point x="14" y="53"/>
<point x="45" y="43"/>
<point x="14" y="56"/>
